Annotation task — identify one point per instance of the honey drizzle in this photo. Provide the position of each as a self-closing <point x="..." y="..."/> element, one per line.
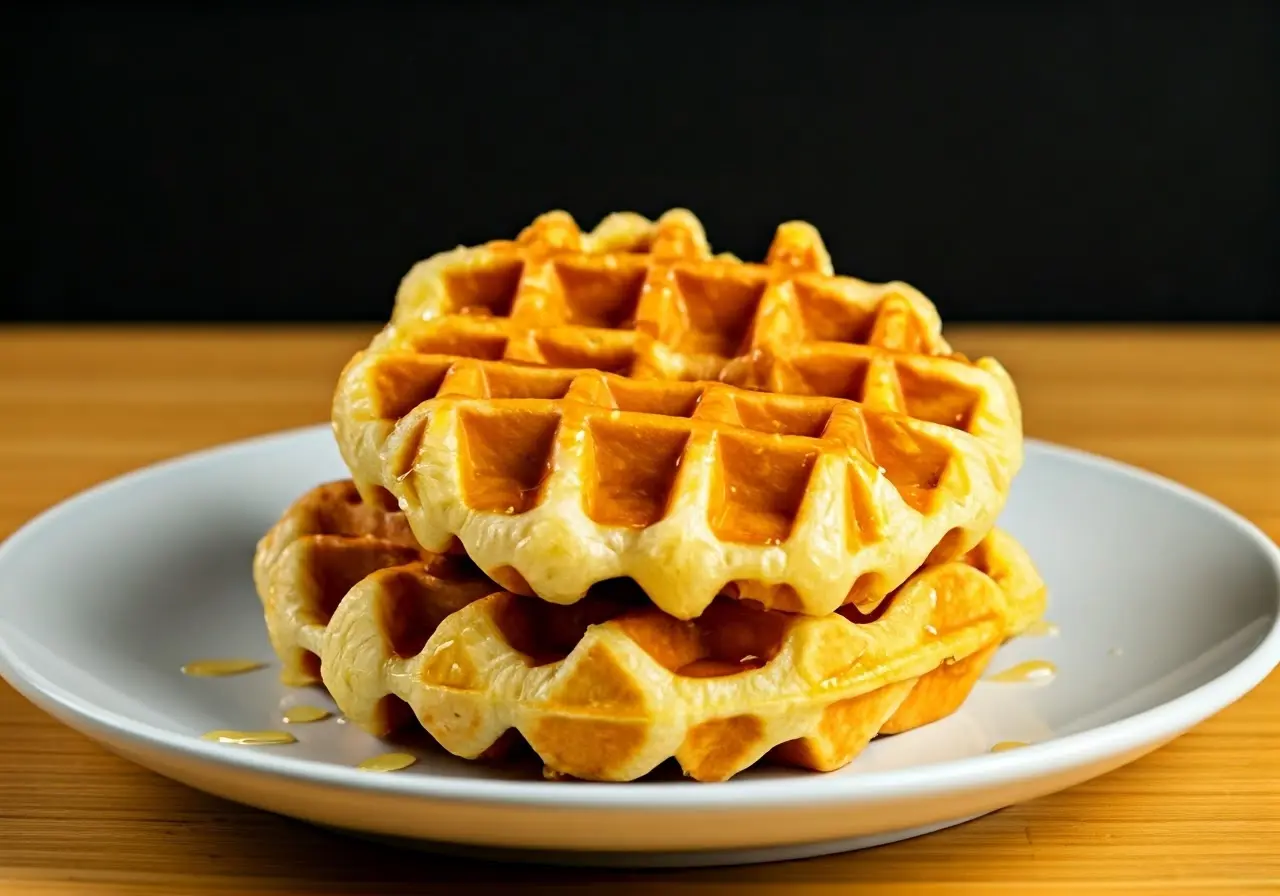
<point x="297" y="715"/>
<point x="1006" y="745"/>
<point x="249" y="738"/>
<point x="388" y="762"/>
<point x="221" y="667"/>
<point x="1028" y="672"/>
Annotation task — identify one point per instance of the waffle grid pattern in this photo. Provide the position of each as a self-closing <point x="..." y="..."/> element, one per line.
<point x="856" y="448"/>
<point x="609" y="688"/>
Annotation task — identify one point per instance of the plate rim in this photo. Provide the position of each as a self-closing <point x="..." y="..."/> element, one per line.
<point x="1060" y="754"/>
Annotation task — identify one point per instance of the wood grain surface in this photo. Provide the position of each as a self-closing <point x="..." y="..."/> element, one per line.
<point x="1201" y="406"/>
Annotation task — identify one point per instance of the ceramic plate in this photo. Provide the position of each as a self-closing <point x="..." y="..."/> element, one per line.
<point x="1166" y="605"/>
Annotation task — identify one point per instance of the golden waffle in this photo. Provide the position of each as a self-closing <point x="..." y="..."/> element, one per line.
<point x="840" y="447"/>
<point x="610" y="687"/>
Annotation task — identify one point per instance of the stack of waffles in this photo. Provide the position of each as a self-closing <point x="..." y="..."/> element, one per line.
<point x="628" y="500"/>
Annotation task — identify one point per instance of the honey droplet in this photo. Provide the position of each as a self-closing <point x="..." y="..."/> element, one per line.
<point x="1042" y="628"/>
<point x="296" y="715"/>
<point x="388" y="762"/>
<point x="1006" y="745"/>
<point x="1029" y="672"/>
<point x="250" y="738"/>
<point x="219" y="668"/>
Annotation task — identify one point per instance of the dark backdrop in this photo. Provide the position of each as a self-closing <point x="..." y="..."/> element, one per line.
<point x="291" y="161"/>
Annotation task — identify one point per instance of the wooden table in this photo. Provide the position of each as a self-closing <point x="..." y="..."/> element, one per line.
<point x="1203" y="814"/>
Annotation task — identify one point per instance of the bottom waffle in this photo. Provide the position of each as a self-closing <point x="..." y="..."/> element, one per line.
<point x="610" y="687"/>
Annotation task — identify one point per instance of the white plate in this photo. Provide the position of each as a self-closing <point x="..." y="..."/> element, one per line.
<point x="1167" y="605"/>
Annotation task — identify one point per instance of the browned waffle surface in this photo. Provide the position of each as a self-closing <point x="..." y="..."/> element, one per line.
<point x="647" y="299"/>
<point x="579" y="407"/>
<point x="610" y="687"/>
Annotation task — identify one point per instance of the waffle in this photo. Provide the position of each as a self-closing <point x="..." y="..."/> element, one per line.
<point x="574" y="408"/>
<point x="610" y="687"/>
<point x="327" y="542"/>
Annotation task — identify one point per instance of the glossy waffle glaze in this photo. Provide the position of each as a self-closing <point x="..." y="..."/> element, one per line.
<point x="610" y="687"/>
<point x="546" y="402"/>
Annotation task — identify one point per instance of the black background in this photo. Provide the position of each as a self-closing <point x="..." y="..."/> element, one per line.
<point x="291" y="161"/>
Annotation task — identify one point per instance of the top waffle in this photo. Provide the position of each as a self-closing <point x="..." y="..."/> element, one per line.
<point x="648" y="444"/>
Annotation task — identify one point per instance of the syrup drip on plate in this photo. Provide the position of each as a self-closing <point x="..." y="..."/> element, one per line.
<point x="249" y="738"/>
<point x="1006" y="745"/>
<point x="221" y="667"/>
<point x="1029" y="672"/>
<point x="388" y="762"/>
<point x="296" y="715"/>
